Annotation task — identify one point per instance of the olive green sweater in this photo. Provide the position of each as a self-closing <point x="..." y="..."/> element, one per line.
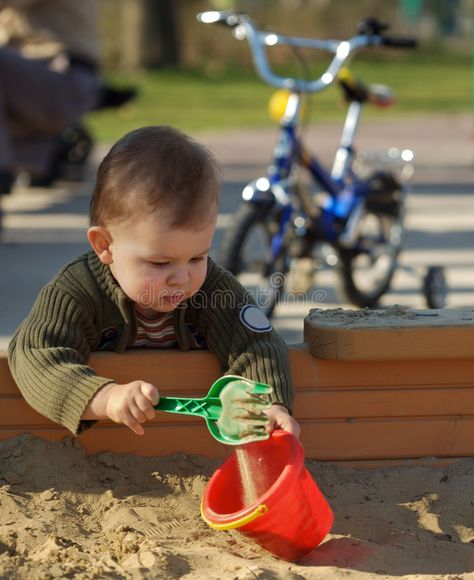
<point x="84" y="309"/>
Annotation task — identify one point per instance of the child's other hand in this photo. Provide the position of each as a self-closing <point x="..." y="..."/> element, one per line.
<point x="281" y="419"/>
<point x="130" y="404"/>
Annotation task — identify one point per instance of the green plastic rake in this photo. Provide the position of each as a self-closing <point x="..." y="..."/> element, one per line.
<point x="233" y="409"/>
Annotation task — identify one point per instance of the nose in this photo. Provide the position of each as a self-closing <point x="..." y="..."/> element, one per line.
<point x="179" y="277"/>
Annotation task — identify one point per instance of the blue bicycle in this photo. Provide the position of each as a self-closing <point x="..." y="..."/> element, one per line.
<point x="354" y="219"/>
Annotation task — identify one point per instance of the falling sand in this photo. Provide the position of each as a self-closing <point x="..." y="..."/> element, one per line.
<point x="254" y="475"/>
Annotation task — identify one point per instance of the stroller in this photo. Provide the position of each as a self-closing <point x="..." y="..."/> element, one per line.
<point x="74" y="144"/>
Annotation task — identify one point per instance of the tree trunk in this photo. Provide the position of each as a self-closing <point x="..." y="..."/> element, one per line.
<point x="161" y="46"/>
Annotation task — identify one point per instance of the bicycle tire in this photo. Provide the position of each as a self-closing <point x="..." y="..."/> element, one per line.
<point x="435" y="287"/>
<point x="236" y="256"/>
<point x="386" y="210"/>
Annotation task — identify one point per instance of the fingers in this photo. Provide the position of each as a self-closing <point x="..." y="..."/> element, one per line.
<point x="141" y="408"/>
<point x="144" y="404"/>
<point x="137" y="414"/>
<point x="281" y="419"/>
<point x="292" y="427"/>
<point x="131" y="404"/>
<point x="123" y="416"/>
<point x="129" y="421"/>
<point x="150" y="392"/>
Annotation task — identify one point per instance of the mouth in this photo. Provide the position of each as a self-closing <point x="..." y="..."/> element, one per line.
<point x="174" y="298"/>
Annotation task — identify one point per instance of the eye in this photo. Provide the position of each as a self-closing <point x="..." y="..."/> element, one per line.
<point x="197" y="259"/>
<point x="159" y="264"/>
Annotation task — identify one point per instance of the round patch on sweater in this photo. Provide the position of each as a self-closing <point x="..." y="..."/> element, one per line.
<point x="254" y="319"/>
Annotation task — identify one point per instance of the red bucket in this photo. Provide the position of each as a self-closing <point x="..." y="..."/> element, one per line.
<point x="290" y="516"/>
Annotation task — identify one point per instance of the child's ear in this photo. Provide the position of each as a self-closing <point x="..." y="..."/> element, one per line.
<point x="100" y="240"/>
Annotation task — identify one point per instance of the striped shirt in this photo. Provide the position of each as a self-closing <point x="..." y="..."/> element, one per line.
<point x="157" y="332"/>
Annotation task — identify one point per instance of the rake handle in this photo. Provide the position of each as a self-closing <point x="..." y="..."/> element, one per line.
<point x="207" y="407"/>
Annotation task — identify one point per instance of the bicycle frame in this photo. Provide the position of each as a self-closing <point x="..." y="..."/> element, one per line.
<point x="343" y="195"/>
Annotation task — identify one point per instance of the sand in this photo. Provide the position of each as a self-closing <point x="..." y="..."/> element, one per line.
<point x="65" y="514"/>
<point x="395" y="316"/>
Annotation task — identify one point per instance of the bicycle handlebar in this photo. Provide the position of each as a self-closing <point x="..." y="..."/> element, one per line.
<point x="258" y="40"/>
<point x="399" y="42"/>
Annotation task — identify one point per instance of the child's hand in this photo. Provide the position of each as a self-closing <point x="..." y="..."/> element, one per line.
<point x="281" y="419"/>
<point x="130" y="404"/>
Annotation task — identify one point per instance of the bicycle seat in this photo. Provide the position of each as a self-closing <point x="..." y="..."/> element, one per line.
<point x="356" y="90"/>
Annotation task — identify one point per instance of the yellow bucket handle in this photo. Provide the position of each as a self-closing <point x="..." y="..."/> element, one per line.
<point x="259" y="511"/>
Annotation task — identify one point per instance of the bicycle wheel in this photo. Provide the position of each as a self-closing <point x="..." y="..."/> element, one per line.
<point x="367" y="268"/>
<point x="435" y="287"/>
<point x="246" y="252"/>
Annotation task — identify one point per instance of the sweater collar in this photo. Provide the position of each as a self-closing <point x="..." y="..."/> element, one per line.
<point x="109" y="285"/>
<point x="105" y="279"/>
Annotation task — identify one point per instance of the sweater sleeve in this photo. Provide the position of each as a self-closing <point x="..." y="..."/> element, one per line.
<point x="48" y="354"/>
<point x="241" y="336"/>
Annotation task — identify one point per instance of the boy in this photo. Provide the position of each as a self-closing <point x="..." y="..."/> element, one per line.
<point x="147" y="281"/>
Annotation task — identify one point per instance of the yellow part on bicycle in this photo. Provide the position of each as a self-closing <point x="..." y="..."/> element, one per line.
<point x="346" y="76"/>
<point x="277" y="105"/>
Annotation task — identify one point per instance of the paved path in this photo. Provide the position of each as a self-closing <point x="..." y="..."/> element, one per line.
<point x="46" y="228"/>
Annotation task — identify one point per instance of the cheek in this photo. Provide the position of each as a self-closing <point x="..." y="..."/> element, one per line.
<point x="139" y="283"/>
<point x="146" y="289"/>
<point x="199" y="275"/>
<point x="133" y="288"/>
<point x="151" y="278"/>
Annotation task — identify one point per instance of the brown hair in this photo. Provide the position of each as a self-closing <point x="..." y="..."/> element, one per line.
<point x="156" y="167"/>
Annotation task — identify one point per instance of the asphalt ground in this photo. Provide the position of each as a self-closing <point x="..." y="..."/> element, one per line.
<point x="45" y="228"/>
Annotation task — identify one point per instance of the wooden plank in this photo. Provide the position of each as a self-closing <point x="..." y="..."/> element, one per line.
<point x="15" y="411"/>
<point x="397" y="334"/>
<point x="304" y="367"/>
<point x="7" y="384"/>
<point x="193" y="371"/>
<point x="389" y="373"/>
<point x="315" y="403"/>
<point x="388" y="438"/>
<point x="159" y="439"/>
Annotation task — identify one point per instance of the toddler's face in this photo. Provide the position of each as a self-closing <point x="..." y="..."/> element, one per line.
<point x="157" y="266"/>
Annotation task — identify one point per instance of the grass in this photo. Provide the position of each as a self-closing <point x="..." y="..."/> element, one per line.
<point x="195" y="101"/>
